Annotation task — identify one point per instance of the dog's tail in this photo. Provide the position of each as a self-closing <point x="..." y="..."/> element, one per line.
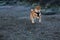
<point x="31" y="9"/>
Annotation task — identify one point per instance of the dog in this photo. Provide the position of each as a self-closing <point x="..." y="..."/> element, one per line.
<point x="35" y="14"/>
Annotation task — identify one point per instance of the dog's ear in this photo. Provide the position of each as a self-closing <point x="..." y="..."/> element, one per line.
<point x="31" y="9"/>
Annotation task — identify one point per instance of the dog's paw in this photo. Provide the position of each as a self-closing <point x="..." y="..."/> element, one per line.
<point x="33" y="22"/>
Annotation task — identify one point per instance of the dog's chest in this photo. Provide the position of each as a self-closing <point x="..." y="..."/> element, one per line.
<point x="37" y="13"/>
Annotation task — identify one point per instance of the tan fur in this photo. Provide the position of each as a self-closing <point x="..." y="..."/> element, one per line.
<point x="33" y="15"/>
<point x="38" y="7"/>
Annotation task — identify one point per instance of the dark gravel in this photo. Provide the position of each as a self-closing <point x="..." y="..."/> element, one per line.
<point x="15" y="25"/>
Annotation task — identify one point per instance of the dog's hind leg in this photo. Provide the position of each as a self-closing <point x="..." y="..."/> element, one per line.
<point x="32" y="19"/>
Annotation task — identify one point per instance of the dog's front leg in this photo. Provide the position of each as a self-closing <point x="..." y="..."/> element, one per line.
<point x="40" y="17"/>
<point x="32" y="20"/>
<point x="40" y="20"/>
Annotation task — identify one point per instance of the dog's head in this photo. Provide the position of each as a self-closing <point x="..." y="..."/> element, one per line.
<point x="37" y="9"/>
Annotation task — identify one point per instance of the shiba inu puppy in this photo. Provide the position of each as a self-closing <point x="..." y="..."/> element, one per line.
<point x="35" y="14"/>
